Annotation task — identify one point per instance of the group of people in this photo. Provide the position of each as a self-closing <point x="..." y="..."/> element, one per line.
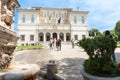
<point x="55" y="43"/>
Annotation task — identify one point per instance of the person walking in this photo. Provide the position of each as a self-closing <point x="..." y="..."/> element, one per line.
<point x="57" y="44"/>
<point x="107" y="33"/>
<point x="51" y="43"/>
<point x="72" y="43"/>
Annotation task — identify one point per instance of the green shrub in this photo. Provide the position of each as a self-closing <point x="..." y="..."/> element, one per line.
<point x="99" y="50"/>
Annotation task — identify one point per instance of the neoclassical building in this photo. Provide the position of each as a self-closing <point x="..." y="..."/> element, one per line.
<point x="39" y="25"/>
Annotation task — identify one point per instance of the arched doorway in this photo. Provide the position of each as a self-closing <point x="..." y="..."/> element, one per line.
<point x="47" y="36"/>
<point x="67" y="36"/>
<point x="41" y="37"/>
<point x="54" y="35"/>
<point x="61" y="36"/>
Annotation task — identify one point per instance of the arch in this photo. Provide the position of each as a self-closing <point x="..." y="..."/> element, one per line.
<point x="41" y="37"/>
<point x="47" y="36"/>
<point x="67" y="36"/>
<point x="61" y="36"/>
<point x="54" y="35"/>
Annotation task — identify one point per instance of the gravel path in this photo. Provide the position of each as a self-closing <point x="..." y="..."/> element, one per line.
<point x="69" y="60"/>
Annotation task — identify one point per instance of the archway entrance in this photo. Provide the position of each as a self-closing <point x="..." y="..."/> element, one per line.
<point x="61" y="36"/>
<point x="54" y="35"/>
<point x="41" y="36"/>
<point x="47" y="36"/>
<point x="67" y="36"/>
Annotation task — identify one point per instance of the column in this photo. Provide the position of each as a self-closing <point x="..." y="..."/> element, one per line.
<point x="51" y="35"/>
<point x="58" y="35"/>
<point x="65" y="37"/>
<point x="44" y="37"/>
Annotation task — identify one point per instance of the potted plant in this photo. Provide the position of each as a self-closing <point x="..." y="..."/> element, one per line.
<point x="100" y="64"/>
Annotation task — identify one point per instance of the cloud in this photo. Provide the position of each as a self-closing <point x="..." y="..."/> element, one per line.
<point x="103" y="13"/>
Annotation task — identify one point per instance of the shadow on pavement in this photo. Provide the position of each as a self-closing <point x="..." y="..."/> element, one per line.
<point x="69" y="68"/>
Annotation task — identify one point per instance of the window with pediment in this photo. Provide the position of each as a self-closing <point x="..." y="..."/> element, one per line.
<point x="32" y="19"/>
<point x="23" y="18"/>
<point x="75" y="20"/>
<point x="22" y="37"/>
<point x="31" y="37"/>
<point x="83" y="19"/>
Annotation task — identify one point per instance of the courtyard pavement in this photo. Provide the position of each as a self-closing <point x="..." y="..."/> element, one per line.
<point x="69" y="60"/>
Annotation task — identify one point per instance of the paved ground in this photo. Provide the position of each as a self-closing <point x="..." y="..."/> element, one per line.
<point x="69" y="59"/>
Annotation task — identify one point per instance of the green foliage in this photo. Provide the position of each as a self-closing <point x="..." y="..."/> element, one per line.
<point x="29" y="47"/>
<point x="94" y="32"/>
<point x="117" y="30"/>
<point x="99" y="50"/>
<point x="118" y="45"/>
<point x="107" y="70"/>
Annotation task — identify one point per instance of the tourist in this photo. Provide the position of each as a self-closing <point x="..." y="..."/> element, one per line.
<point x="72" y="43"/>
<point x="107" y="33"/>
<point x="57" y="44"/>
<point x="51" y="43"/>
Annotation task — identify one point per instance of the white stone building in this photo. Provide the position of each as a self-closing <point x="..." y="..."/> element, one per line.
<point x="39" y="25"/>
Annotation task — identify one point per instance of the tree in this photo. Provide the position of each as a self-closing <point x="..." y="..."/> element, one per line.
<point x="94" y="32"/>
<point x="117" y="30"/>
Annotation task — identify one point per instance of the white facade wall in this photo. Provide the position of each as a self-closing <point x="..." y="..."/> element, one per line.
<point x="46" y="21"/>
<point x="28" y="15"/>
<point x="78" y="28"/>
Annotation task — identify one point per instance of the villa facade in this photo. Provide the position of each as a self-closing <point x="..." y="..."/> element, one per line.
<point x="39" y="25"/>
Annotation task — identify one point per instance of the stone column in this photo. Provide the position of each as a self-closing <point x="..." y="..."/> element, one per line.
<point x="51" y="35"/>
<point x="64" y="37"/>
<point x="58" y="35"/>
<point x="44" y="37"/>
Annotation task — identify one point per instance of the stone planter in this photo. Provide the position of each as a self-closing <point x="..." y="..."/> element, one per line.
<point x="92" y="77"/>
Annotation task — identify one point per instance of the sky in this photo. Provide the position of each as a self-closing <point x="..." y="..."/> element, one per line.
<point x="103" y="14"/>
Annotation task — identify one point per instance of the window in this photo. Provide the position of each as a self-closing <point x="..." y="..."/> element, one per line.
<point x="31" y="37"/>
<point x="23" y="19"/>
<point x="65" y="14"/>
<point x="48" y="13"/>
<point x="83" y="36"/>
<point x="49" y="17"/>
<point x="32" y="19"/>
<point x="56" y="15"/>
<point x="53" y="14"/>
<point x="41" y="14"/>
<point x="22" y="37"/>
<point x="44" y="14"/>
<point x="59" y="14"/>
<point x="83" y="20"/>
<point x="75" y="19"/>
<point x="76" y="37"/>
